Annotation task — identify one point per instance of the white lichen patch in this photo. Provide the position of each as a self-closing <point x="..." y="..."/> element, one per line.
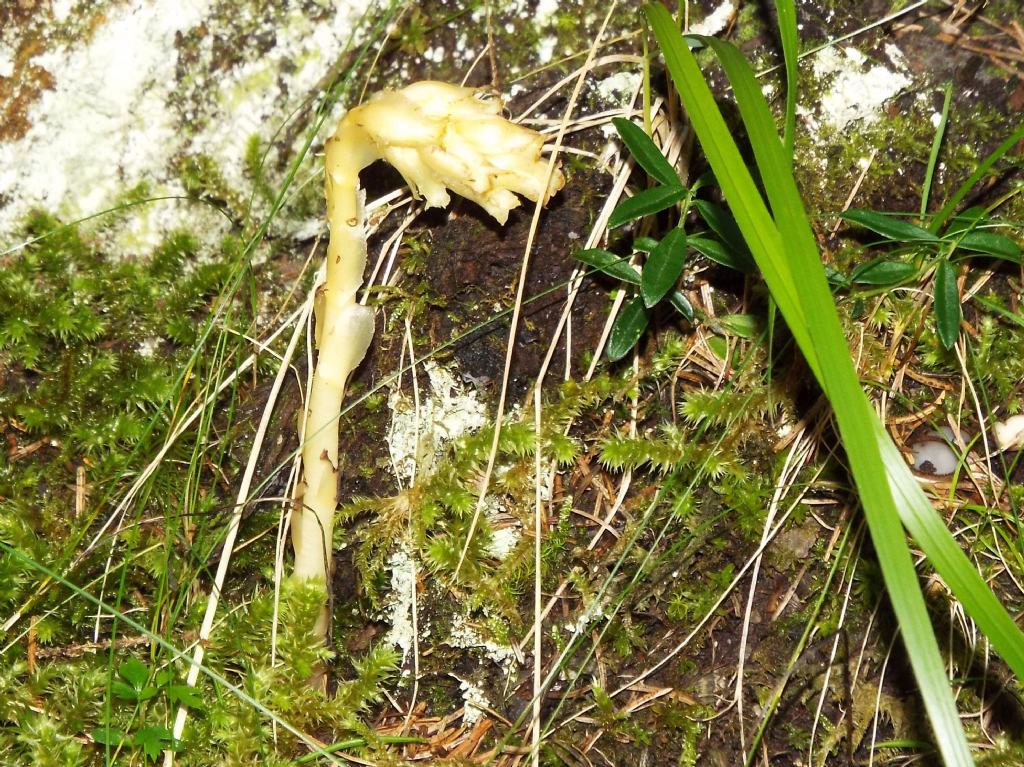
<point x="398" y="606"/>
<point x="474" y="701"/>
<point x="716" y="21"/>
<point x="856" y="90"/>
<point x="447" y="410"/>
<point x="463" y="636"/>
<point x="105" y="127"/>
<point x="618" y="89"/>
<point x="150" y="87"/>
<point x="503" y="541"/>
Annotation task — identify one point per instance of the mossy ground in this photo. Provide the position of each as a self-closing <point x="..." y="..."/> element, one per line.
<point x="102" y="358"/>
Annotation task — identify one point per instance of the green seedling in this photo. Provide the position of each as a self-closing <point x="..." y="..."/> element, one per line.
<point x="666" y="258"/>
<point x="966" y="236"/>
<point x="136" y="685"/>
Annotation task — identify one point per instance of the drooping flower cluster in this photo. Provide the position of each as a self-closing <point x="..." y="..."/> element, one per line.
<point x="444" y="137"/>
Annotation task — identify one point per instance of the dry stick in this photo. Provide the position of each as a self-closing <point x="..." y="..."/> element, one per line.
<point x="236" y="517"/>
<point x="412" y="560"/>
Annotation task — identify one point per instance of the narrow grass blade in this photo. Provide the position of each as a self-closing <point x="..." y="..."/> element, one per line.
<point x="979" y="173"/>
<point x="786" y="11"/>
<point x="796" y="278"/>
<point x="933" y="158"/>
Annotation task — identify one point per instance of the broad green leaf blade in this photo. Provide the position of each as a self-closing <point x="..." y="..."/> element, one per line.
<point x="947" y="304"/>
<point x="645" y="244"/>
<point x="646" y="153"/>
<point x="629" y="326"/>
<point x="991" y="244"/>
<point x="882" y="271"/>
<point x="890" y="227"/>
<point x="663" y="267"/>
<point x="796" y="279"/>
<point x="610" y="264"/>
<point x="682" y="305"/>
<point x="645" y="203"/>
<point x="965" y="221"/>
<point x="718" y="253"/>
<point x="741" y="325"/>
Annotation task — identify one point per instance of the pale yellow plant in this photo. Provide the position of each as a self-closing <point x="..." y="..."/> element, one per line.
<point x="440" y="137"/>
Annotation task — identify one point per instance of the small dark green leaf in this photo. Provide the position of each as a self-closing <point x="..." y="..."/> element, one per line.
<point x="629" y="326"/>
<point x="108" y="736"/>
<point x="646" y="152"/>
<point x="888" y="226"/>
<point x="881" y="271"/>
<point x="718" y="253"/>
<point x="123" y="691"/>
<point x="645" y="203"/>
<point x="182" y="693"/>
<point x="663" y="267"/>
<point x="835" y="277"/>
<point x="610" y="264"/>
<point x="991" y="244"/>
<point x="947" y="304"/>
<point x="742" y="325"/>
<point x="135" y="672"/>
<point x="965" y="221"/>
<point x="645" y="244"/>
<point x="147" y="692"/>
<point x="724" y="225"/>
<point x="682" y="305"/>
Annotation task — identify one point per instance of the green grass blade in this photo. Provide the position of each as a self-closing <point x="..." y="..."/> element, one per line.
<point x="916" y="513"/>
<point x="983" y="167"/>
<point x="786" y="11"/>
<point x="822" y="342"/>
<point x="933" y="158"/>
